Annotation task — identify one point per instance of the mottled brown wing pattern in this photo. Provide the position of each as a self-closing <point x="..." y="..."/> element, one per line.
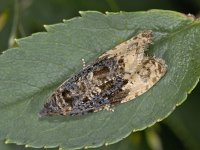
<point x="117" y="76"/>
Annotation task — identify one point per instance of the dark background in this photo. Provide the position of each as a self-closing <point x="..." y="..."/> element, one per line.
<point x="21" y="18"/>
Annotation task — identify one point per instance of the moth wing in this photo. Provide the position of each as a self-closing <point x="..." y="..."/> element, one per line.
<point x="151" y="71"/>
<point x="131" y="51"/>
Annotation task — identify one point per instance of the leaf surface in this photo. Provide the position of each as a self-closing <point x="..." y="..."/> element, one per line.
<point x="32" y="71"/>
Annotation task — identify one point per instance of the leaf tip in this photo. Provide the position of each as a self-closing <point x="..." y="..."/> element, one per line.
<point x="107" y="12"/>
<point x="7" y="141"/>
<point x="16" y="41"/>
<point x="81" y="12"/>
<point x="46" y="27"/>
<point x="27" y="146"/>
<point x="86" y="147"/>
<point x="191" y="16"/>
<point x="106" y="144"/>
<point x="158" y="120"/>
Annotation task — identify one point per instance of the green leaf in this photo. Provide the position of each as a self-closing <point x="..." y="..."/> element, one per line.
<point x="4" y="146"/>
<point x="135" y="141"/>
<point x="185" y="121"/>
<point x="29" y="74"/>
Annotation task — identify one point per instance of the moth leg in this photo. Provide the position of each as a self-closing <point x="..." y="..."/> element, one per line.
<point x="83" y="62"/>
<point x="108" y="108"/>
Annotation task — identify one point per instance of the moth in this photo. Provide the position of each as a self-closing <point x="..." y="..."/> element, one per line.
<point x="117" y="76"/>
